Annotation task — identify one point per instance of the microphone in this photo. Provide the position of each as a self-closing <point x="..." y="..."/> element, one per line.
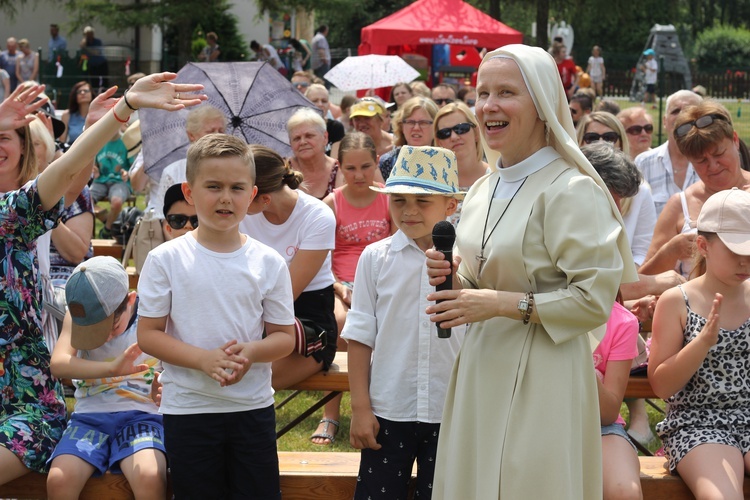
<point x="443" y="237"/>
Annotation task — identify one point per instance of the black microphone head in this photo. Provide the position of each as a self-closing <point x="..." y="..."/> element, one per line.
<point x="443" y="235"/>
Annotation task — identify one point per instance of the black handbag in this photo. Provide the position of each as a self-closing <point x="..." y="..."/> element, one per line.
<point x="309" y="337"/>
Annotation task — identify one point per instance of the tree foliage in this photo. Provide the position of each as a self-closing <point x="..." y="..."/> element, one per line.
<point x="178" y="20"/>
<point x="723" y="48"/>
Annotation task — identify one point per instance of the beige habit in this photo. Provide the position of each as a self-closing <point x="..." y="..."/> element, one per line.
<point x="521" y="418"/>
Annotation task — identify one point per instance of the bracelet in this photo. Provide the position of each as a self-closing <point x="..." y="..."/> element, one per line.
<point x="118" y="118"/>
<point x="125" y="98"/>
<point x="530" y="309"/>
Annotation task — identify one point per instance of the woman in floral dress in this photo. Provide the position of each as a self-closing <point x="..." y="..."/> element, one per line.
<point x="32" y="414"/>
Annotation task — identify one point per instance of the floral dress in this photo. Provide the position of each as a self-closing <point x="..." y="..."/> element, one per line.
<point x="33" y="410"/>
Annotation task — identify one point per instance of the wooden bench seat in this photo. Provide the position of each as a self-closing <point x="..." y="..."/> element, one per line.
<point x="109" y="248"/>
<point x="331" y="476"/>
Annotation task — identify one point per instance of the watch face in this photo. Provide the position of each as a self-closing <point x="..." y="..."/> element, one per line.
<point x="523" y="305"/>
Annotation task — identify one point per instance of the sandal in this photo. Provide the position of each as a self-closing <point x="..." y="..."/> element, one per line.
<point x="331" y="437"/>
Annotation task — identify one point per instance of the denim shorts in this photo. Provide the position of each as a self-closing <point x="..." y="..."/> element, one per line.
<point x="617" y="430"/>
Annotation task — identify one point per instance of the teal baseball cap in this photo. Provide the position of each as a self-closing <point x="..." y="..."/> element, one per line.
<point x="93" y="293"/>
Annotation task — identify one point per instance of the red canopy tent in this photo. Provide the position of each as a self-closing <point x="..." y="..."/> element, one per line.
<point x="429" y="22"/>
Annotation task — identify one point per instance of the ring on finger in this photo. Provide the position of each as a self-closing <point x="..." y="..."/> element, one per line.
<point x="177" y="96"/>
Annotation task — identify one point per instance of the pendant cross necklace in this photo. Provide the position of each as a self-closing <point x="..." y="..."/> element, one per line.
<point x="485" y="239"/>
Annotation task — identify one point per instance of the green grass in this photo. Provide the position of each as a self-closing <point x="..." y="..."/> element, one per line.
<point x="298" y="439"/>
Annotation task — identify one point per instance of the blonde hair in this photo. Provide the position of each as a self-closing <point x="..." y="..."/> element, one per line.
<point x="217" y="146"/>
<point x="40" y="132"/>
<point x="405" y="111"/>
<point x="608" y="120"/>
<point x="197" y="116"/>
<point x="272" y="171"/>
<point x="420" y="88"/>
<point x="460" y="107"/>
<point x="356" y="141"/>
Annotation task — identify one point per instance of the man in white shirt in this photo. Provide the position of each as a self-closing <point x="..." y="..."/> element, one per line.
<point x="665" y="169"/>
<point x="321" y="53"/>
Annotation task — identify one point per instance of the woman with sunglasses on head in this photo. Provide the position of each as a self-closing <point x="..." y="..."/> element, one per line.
<point x="412" y="126"/>
<point x="705" y="136"/>
<point x="639" y="126"/>
<point x="456" y="128"/>
<point x="78" y="107"/>
<point x="542" y="252"/>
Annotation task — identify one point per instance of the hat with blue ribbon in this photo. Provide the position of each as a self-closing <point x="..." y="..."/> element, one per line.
<point x="423" y="170"/>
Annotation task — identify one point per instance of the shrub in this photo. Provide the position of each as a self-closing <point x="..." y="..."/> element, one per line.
<point x="723" y="48"/>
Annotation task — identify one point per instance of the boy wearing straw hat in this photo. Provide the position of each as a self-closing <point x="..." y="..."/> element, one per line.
<point x="398" y="368"/>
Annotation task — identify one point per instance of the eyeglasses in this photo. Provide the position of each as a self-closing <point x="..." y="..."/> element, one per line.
<point x="460" y="129"/>
<point x="702" y="122"/>
<point x="414" y="123"/>
<point x="178" y="221"/>
<point x="471" y="102"/>
<point x="83" y="91"/>
<point x="443" y="101"/>
<point x="637" y="129"/>
<point x="592" y="137"/>
<point x="302" y="85"/>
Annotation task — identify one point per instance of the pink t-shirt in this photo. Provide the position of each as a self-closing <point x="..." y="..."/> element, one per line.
<point x="355" y="229"/>
<point x="619" y="343"/>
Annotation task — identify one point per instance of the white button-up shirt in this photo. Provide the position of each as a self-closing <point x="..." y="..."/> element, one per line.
<point x="656" y="167"/>
<point x="410" y="365"/>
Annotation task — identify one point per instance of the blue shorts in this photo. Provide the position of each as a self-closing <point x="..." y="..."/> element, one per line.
<point x="617" y="430"/>
<point x="103" y="439"/>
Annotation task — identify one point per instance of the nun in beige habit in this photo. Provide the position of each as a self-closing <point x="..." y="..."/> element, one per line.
<point x="542" y="253"/>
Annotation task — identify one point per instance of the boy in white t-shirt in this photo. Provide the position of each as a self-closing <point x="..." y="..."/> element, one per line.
<point x="398" y="367"/>
<point x="216" y="308"/>
<point x="116" y="424"/>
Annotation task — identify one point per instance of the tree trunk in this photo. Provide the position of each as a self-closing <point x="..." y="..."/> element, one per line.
<point x="495" y="9"/>
<point x="542" y="18"/>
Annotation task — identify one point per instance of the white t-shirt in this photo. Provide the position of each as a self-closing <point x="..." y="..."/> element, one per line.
<point x="596" y="63"/>
<point x="123" y="393"/>
<point x="212" y="298"/>
<point x="640" y="222"/>
<point x="652" y="67"/>
<point x="273" y="56"/>
<point x="311" y="226"/>
<point x="174" y="173"/>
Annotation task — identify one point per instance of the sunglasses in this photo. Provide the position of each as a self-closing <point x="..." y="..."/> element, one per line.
<point x="443" y="101"/>
<point x="471" y="102"/>
<point x="702" y="122"/>
<point x="302" y="85"/>
<point x="637" y="129"/>
<point x="460" y="129"/>
<point x="178" y="221"/>
<point x="592" y="137"/>
<point x="83" y="91"/>
<point x="414" y="123"/>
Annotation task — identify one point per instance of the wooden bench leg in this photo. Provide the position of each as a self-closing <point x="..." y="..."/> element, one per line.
<point x="294" y="423"/>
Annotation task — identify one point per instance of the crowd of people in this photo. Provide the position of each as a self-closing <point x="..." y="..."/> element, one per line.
<point x="576" y="243"/>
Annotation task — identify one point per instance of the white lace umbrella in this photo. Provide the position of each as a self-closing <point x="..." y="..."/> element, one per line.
<point x="370" y="72"/>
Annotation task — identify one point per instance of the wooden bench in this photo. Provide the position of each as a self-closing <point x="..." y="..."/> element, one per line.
<point x="331" y="476"/>
<point x="639" y="388"/>
<point x="110" y="248"/>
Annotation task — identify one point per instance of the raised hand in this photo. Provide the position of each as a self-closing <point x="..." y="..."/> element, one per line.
<point x="710" y="332"/>
<point x="123" y="364"/>
<point x="100" y="105"/>
<point x="157" y="91"/>
<point x="17" y="108"/>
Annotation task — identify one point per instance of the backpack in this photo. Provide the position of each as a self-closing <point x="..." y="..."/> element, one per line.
<point x="146" y="235"/>
<point x="123" y="225"/>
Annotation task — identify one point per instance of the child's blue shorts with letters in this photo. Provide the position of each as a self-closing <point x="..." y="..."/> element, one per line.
<point x="103" y="439"/>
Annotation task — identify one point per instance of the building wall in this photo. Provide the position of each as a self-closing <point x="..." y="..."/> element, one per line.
<point x="34" y="17"/>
